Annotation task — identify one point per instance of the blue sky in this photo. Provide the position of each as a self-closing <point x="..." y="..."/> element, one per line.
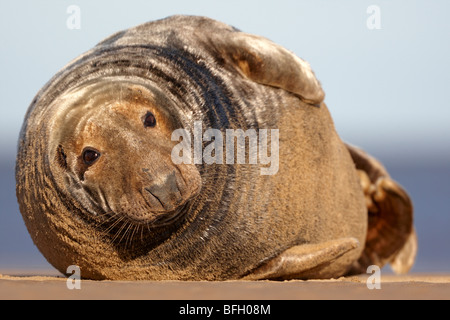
<point x="387" y="89"/>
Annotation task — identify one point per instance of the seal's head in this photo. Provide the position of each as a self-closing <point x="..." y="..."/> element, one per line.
<point x="110" y="149"/>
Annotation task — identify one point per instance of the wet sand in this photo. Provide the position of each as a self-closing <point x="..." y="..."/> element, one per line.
<point x="47" y="285"/>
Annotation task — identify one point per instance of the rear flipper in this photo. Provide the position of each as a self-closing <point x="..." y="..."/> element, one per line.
<point x="391" y="237"/>
<point x="306" y="261"/>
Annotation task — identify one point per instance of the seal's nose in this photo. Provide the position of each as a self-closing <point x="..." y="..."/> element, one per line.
<point x="166" y="191"/>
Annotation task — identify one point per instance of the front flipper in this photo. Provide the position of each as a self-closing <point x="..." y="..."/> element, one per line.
<point x="267" y="63"/>
<point x="304" y="261"/>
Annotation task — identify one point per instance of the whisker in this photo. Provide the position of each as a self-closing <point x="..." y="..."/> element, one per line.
<point x="129" y="225"/>
<point x="142" y="233"/>
<point x="130" y="238"/>
<point x="113" y="225"/>
<point x="120" y="230"/>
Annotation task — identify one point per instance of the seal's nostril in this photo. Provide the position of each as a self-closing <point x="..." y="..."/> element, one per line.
<point x="166" y="192"/>
<point x="171" y="182"/>
<point x="156" y="198"/>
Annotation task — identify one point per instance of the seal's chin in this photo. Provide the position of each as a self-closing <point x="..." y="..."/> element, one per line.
<point x="138" y="231"/>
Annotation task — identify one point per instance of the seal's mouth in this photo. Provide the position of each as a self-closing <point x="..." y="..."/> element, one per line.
<point x="154" y="220"/>
<point x="170" y="217"/>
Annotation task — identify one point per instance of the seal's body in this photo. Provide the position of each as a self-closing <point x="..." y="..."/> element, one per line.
<point x="97" y="186"/>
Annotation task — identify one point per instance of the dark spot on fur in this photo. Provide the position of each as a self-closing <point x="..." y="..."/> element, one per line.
<point x="61" y="157"/>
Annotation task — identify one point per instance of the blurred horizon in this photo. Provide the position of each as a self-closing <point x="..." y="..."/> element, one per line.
<point x="387" y="89"/>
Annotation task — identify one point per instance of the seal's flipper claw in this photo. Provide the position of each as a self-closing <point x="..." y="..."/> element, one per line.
<point x="297" y="262"/>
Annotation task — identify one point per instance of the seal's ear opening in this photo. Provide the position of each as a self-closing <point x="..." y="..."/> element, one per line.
<point x="61" y="157"/>
<point x="267" y="63"/>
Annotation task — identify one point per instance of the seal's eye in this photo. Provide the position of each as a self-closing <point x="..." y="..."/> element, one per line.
<point x="149" y="120"/>
<point x="90" y="156"/>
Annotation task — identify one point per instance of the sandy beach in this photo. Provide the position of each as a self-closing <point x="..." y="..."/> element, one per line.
<point x="25" y="285"/>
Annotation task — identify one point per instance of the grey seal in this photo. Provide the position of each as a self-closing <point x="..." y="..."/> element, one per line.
<point x="97" y="186"/>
